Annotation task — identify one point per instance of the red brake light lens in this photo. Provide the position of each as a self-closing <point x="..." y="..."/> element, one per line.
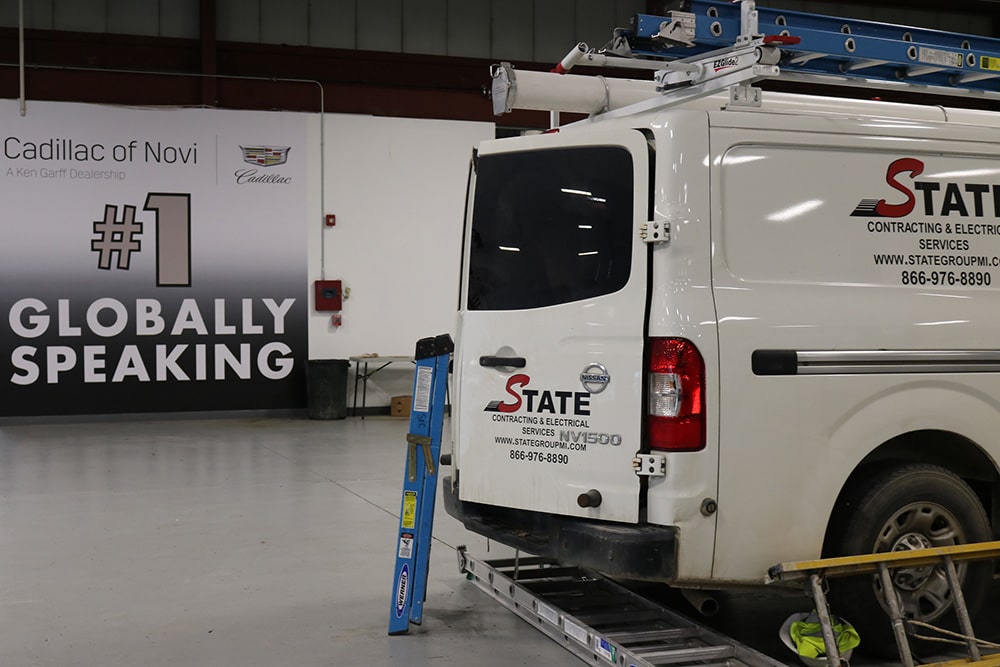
<point x="676" y="411"/>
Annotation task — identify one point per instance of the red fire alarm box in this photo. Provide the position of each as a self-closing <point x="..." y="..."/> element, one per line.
<point x="329" y="295"/>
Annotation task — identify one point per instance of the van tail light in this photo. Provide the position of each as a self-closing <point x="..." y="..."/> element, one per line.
<point x="676" y="377"/>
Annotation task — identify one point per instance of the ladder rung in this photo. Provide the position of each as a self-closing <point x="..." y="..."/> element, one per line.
<point x="803" y="58"/>
<point x="637" y="638"/>
<point x="602" y="620"/>
<point x="542" y="573"/>
<point x="525" y="561"/>
<point x="854" y="66"/>
<point x="923" y="71"/>
<point x="674" y="656"/>
<point x="976" y="76"/>
<point x="561" y="587"/>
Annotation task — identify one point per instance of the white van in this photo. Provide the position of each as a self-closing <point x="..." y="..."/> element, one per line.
<point x="698" y="342"/>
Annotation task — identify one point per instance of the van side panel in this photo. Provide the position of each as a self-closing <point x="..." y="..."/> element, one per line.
<point x="681" y="306"/>
<point x="844" y="242"/>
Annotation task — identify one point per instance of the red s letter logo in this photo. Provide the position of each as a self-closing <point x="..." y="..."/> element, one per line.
<point x="915" y="167"/>
<point x="518" y="380"/>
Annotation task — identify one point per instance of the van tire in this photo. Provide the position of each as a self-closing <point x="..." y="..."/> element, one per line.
<point x="901" y="508"/>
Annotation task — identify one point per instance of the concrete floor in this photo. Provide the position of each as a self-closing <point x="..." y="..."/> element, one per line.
<point x="228" y="542"/>
<point x="235" y="542"/>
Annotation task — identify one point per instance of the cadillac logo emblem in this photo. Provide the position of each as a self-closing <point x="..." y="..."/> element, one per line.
<point x="265" y="156"/>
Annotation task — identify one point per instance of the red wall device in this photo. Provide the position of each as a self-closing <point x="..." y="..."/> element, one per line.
<point x="329" y="295"/>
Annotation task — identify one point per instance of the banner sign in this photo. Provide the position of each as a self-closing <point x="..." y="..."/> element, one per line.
<point x="152" y="260"/>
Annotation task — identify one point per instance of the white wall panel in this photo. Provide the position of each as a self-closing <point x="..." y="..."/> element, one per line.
<point x="425" y="26"/>
<point x="555" y="29"/>
<point x="284" y="21"/>
<point x="332" y="24"/>
<point x="38" y="14"/>
<point x="469" y="31"/>
<point x="397" y="187"/>
<point x="238" y="21"/>
<point x="512" y="35"/>
<point x="80" y="15"/>
<point x="134" y="17"/>
<point x="8" y="14"/>
<point x="380" y="25"/>
<point x="179" y="18"/>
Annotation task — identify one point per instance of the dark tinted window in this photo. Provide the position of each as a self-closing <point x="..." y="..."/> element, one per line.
<point x="550" y="227"/>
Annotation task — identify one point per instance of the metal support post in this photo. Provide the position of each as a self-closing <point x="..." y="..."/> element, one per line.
<point x="958" y="599"/>
<point x="825" y="622"/>
<point x="889" y="591"/>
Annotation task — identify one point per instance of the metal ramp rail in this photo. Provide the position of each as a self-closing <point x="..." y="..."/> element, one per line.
<point x="600" y="621"/>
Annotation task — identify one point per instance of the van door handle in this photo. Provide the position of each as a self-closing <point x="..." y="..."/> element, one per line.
<point x="510" y="362"/>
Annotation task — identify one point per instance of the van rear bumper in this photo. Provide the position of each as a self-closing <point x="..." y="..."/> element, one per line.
<point x="616" y="549"/>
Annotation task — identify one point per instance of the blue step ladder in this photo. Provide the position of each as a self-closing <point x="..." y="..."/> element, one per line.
<point x="416" y="516"/>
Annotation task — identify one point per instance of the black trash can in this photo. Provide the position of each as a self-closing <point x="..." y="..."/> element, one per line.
<point x="326" y="388"/>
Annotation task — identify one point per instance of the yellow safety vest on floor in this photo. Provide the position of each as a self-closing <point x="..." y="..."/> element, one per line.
<point x="803" y="634"/>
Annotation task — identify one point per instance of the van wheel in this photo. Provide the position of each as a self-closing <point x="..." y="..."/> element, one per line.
<point x="904" y="508"/>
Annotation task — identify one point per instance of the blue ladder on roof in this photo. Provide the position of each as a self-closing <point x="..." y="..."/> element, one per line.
<point x="852" y="48"/>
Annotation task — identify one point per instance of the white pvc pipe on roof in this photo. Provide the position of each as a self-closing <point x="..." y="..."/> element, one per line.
<point x="545" y="91"/>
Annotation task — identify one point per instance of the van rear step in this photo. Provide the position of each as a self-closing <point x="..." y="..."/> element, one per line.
<point x="600" y="621"/>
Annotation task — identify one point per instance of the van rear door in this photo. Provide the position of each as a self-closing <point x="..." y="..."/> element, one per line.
<point x="549" y="362"/>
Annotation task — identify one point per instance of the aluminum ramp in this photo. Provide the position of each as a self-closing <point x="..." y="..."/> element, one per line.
<point x="600" y="621"/>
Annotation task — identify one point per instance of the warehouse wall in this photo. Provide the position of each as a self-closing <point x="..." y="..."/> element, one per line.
<point x="418" y="58"/>
<point x="944" y="18"/>
<point x="540" y="30"/>
<point x="534" y="30"/>
<point x="397" y="187"/>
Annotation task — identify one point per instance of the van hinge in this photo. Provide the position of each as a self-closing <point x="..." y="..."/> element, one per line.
<point x="655" y="232"/>
<point x="650" y="465"/>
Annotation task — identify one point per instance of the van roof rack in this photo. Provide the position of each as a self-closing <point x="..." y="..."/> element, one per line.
<point x="716" y="45"/>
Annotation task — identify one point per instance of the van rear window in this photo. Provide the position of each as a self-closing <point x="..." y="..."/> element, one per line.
<point x="550" y="227"/>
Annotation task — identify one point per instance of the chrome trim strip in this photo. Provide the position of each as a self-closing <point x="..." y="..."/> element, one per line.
<point x="839" y="362"/>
